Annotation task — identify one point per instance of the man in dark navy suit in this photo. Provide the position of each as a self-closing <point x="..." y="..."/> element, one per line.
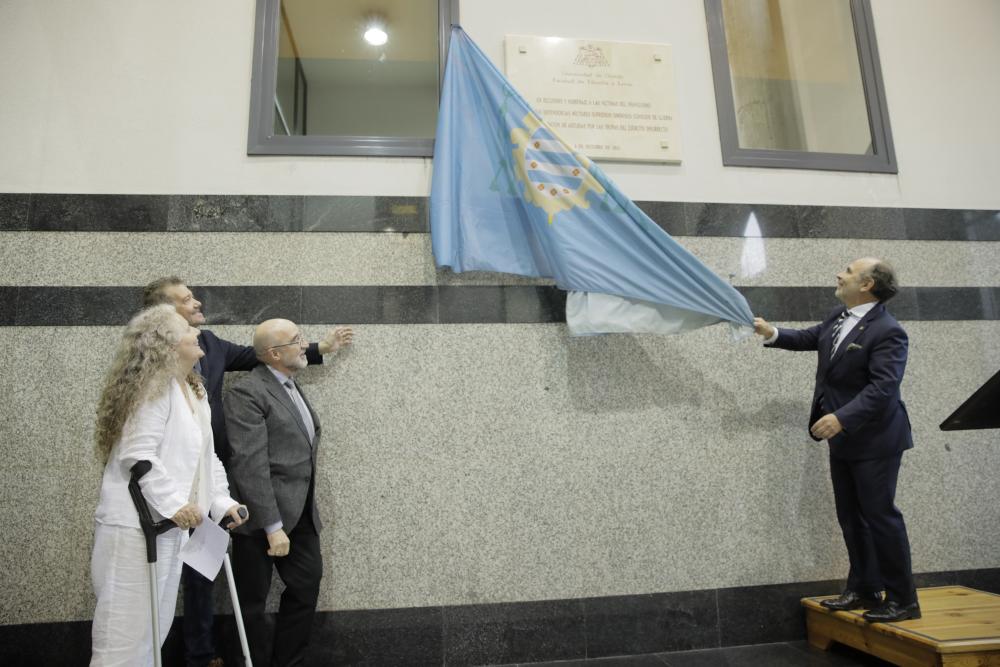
<point x="857" y="409"/>
<point x="221" y="357"/>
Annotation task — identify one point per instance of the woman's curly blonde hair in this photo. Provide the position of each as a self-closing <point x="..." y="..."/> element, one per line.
<point x="141" y="371"/>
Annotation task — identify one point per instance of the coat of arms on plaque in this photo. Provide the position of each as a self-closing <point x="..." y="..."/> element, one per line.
<point x="591" y="56"/>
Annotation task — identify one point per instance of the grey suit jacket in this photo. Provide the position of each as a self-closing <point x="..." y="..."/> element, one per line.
<point x="272" y="462"/>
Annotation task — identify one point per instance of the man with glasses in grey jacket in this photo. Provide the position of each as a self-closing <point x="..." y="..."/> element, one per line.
<point x="275" y="435"/>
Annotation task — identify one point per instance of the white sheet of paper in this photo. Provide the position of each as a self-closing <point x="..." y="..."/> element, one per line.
<point x="206" y="549"/>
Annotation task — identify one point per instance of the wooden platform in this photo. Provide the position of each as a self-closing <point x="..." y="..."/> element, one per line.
<point x="960" y="628"/>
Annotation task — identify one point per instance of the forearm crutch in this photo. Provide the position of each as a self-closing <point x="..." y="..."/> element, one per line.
<point x="150" y="529"/>
<point x="237" y="612"/>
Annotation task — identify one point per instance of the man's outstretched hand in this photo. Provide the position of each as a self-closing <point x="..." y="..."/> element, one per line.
<point x="335" y="339"/>
<point x="761" y="327"/>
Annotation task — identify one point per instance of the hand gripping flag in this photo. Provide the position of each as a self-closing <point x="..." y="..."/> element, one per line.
<point x="508" y="195"/>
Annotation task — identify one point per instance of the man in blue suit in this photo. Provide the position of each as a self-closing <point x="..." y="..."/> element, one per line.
<point x="857" y="409"/>
<point x="221" y="357"/>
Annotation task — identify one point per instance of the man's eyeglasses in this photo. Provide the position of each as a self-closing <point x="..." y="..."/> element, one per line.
<point x="298" y="340"/>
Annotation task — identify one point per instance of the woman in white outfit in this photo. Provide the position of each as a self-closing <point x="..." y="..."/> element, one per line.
<point x="153" y="407"/>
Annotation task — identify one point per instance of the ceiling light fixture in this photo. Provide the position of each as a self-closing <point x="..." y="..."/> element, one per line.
<point x="375" y="32"/>
<point x="376" y="36"/>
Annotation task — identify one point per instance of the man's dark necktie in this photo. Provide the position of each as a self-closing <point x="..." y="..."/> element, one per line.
<point x="836" y="332"/>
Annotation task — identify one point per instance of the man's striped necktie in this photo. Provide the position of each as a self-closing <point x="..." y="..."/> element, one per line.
<point x="836" y="332"/>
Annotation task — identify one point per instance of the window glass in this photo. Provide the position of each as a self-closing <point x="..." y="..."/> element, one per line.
<point x="796" y="77"/>
<point x="357" y="68"/>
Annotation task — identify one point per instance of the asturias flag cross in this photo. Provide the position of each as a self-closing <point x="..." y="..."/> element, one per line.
<point x="509" y="195"/>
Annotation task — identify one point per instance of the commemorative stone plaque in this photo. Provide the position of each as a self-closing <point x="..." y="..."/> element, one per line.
<point x="609" y="100"/>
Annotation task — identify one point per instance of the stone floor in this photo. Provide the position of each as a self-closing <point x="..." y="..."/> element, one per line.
<point x="785" y="654"/>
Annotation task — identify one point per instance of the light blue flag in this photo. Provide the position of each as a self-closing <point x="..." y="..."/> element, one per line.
<point x="508" y="195"/>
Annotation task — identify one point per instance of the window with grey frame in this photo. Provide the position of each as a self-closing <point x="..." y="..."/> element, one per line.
<point x="798" y="85"/>
<point x="352" y="77"/>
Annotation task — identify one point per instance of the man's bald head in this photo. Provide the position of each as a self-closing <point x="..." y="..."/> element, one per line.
<point x="866" y="279"/>
<point x="267" y="333"/>
<point x="279" y="344"/>
<point x="883" y="276"/>
<point x="865" y="264"/>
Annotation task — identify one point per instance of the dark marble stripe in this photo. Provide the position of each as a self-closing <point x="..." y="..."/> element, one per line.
<point x="491" y="634"/>
<point x="378" y="637"/>
<point x="368" y="304"/>
<point x="445" y="304"/>
<point x="819" y="222"/>
<point x="8" y="306"/>
<point x="771" y="613"/>
<point x="510" y="632"/>
<point x="249" y="304"/>
<point x="636" y="624"/>
<point x="942" y="303"/>
<point x="784" y="654"/>
<point x="98" y="213"/>
<point x="58" y="644"/>
<point x="503" y="303"/>
<point x="790" y="221"/>
<point x="14" y="212"/>
<point x="211" y="213"/>
<point x="72" y="306"/>
<point x="296" y="213"/>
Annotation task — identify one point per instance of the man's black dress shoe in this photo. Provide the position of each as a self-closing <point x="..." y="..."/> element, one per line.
<point x="892" y="611"/>
<point x="849" y="600"/>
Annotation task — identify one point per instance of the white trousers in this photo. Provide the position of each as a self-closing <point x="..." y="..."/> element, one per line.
<point x="123" y="632"/>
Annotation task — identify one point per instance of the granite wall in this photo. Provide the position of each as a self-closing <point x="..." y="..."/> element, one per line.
<point x="481" y="469"/>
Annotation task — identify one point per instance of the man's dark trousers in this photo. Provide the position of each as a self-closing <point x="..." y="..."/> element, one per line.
<point x="199" y="611"/>
<point x="874" y="532"/>
<point x="301" y="571"/>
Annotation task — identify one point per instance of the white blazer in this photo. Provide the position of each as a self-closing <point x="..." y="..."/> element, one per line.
<point x="165" y="432"/>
